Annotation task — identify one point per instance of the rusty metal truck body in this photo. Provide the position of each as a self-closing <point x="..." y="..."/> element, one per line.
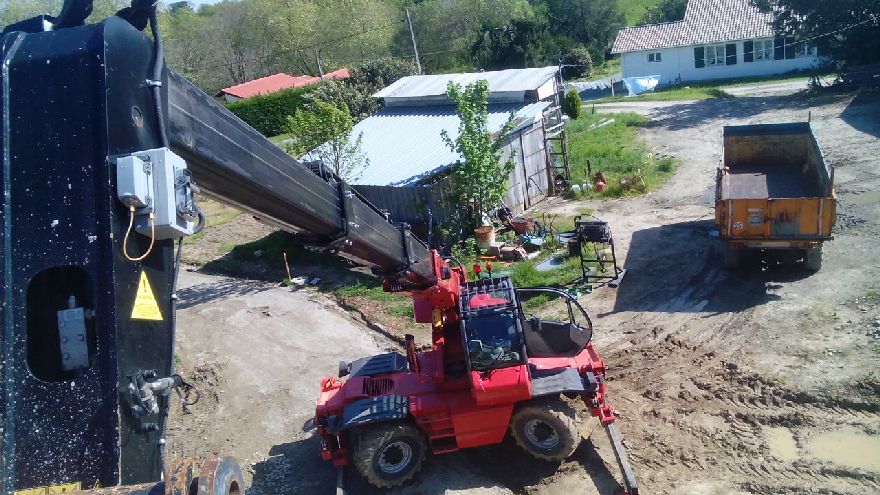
<point x="774" y="191"/>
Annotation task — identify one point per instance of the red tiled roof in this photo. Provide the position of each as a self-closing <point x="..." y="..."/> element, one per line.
<point x="277" y="82"/>
<point x="705" y="21"/>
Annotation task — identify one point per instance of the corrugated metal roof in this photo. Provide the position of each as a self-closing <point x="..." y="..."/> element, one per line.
<point x="403" y="144"/>
<point x="705" y="21"/>
<point x="500" y="81"/>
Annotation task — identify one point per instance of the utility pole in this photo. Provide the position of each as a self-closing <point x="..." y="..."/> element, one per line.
<point x="412" y="35"/>
<point x="318" y="61"/>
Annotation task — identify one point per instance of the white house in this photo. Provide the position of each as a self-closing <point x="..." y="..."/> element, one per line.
<point x="717" y="39"/>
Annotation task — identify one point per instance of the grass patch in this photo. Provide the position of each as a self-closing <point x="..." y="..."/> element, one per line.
<point x="634" y="10"/>
<point x="402" y="310"/>
<point x="608" y="68"/>
<point x="367" y="287"/>
<point x="672" y="93"/>
<point x="702" y="90"/>
<point x="616" y="150"/>
<point x="215" y="214"/>
<point x="281" y="137"/>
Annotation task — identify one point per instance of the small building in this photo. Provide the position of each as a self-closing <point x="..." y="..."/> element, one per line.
<point x="717" y="39"/>
<point x="409" y="161"/>
<point x="273" y="83"/>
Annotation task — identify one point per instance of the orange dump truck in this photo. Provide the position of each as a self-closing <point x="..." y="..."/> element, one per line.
<point x="773" y="191"/>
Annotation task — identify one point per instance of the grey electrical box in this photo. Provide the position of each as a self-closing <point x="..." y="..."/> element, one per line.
<point x="134" y="182"/>
<point x="158" y="182"/>
<point x="72" y="337"/>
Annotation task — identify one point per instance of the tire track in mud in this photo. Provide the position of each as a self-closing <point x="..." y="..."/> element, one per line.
<point x="692" y="415"/>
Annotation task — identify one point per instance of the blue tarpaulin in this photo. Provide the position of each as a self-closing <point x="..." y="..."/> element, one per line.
<point x="638" y="85"/>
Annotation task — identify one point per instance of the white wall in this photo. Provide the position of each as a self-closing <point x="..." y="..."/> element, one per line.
<point x="680" y="61"/>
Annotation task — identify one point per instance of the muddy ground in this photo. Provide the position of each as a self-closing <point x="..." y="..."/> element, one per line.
<point x="763" y="380"/>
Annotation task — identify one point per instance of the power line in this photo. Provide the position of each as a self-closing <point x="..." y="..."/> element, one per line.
<point x="871" y="17"/>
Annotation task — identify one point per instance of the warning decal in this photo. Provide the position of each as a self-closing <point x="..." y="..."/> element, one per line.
<point x="145" y="306"/>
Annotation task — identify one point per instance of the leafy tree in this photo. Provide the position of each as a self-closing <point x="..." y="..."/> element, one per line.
<point x="592" y="23"/>
<point x="481" y="180"/>
<point x="323" y="129"/>
<point x="858" y="23"/>
<point x="571" y="105"/>
<point x="665" y="11"/>
<point x="377" y="74"/>
<point x="577" y="63"/>
<point x="518" y="44"/>
<point x="356" y="98"/>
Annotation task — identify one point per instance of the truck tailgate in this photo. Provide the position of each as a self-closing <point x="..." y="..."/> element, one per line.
<point x="788" y="218"/>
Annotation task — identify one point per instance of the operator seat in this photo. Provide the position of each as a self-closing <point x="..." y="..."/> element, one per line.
<point x="547" y="338"/>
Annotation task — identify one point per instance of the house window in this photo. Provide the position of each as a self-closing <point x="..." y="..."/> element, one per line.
<point x="763" y="50"/>
<point x="654" y="57"/>
<point x="715" y="55"/>
<point x="802" y="50"/>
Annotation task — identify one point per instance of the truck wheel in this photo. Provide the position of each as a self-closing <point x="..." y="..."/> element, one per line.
<point x="730" y="256"/>
<point x="389" y="454"/>
<point x="546" y="429"/>
<point x="813" y="258"/>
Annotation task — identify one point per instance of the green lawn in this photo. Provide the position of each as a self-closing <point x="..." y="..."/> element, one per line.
<point x="609" y="68"/>
<point x="670" y="94"/>
<point x="610" y="144"/>
<point x="634" y="10"/>
<point x="702" y="90"/>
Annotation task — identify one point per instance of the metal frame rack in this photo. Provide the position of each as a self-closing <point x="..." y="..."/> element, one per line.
<point x="597" y="233"/>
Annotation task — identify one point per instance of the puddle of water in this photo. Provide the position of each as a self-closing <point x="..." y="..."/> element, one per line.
<point x="864" y="198"/>
<point x="781" y="443"/>
<point x="850" y="447"/>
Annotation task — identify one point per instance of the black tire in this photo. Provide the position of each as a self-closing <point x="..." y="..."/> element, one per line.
<point x="813" y="259"/>
<point x="730" y="256"/>
<point x="546" y="429"/>
<point x="388" y="454"/>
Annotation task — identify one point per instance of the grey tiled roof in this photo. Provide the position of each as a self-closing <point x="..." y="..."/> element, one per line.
<point x="705" y="21"/>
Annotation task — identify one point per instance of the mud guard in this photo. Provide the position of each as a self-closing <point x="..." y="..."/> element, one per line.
<point x="371" y="410"/>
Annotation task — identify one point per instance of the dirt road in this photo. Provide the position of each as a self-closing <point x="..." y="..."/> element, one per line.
<point x="759" y="381"/>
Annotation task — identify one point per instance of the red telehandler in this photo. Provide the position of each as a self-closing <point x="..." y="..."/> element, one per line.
<point x="492" y="368"/>
<point x="101" y="146"/>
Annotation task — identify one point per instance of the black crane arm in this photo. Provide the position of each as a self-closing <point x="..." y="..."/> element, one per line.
<point x="238" y="166"/>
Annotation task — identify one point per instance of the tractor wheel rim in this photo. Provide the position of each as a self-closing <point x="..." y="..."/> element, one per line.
<point x="541" y="434"/>
<point x="395" y="457"/>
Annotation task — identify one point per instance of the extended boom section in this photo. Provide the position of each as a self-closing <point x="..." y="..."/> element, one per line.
<point x="237" y="165"/>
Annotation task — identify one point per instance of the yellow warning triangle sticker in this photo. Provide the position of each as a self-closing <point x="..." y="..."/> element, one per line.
<point x="145" y="306"/>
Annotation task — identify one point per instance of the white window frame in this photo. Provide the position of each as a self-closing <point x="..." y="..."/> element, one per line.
<point x="718" y="59"/>
<point x="655" y="57"/>
<point x="803" y="50"/>
<point x="765" y="52"/>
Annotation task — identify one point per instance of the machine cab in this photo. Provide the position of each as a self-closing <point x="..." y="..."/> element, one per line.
<point x="500" y="337"/>
<point x="554" y="323"/>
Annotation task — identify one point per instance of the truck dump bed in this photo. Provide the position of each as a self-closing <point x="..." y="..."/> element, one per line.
<point x="773" y="183"/>
<point x="773" y="191"/>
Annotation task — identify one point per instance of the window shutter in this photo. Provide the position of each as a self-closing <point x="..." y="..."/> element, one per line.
<point x="730" y="52"/>
<point x="699" y="57"/>
<point x="778" y="46"/>
<point x="790" y="47"/>
<point x="748" y="51"/>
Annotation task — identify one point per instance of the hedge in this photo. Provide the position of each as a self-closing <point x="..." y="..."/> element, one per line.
<point x="268" y="113"/>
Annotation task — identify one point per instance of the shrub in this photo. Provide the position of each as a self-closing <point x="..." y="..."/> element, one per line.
<point x="579" y="63"/>
<point x="571" y="105"/>
<point x="268" y="113"/>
